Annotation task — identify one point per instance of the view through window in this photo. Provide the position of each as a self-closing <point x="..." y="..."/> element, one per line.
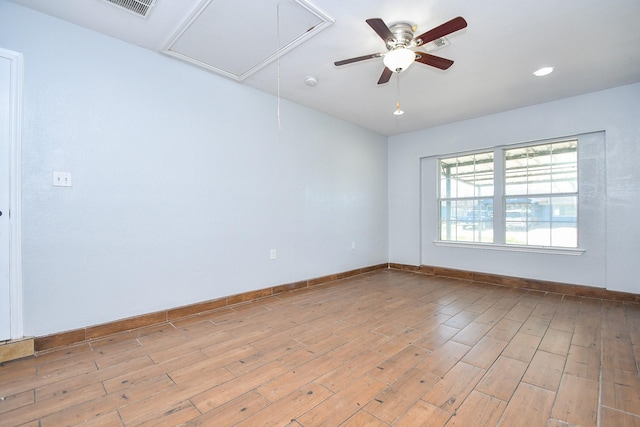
<point x="541" y="195"/>
<point x="538" y="196"/>
<point x="466" y="198"/>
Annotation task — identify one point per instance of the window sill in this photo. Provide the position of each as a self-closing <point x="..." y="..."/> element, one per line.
<point x="511" y="248"/>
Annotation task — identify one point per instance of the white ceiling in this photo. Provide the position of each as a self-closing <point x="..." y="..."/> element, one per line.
<point x="592" y="44"/>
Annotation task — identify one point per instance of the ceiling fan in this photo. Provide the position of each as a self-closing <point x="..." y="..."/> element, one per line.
<point x="399" y="40"/>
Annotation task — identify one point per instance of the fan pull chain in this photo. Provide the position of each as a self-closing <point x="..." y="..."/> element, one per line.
<point x="398" y="111"/>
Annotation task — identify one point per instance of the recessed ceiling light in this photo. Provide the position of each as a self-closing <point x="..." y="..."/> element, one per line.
<point x="543" y="71"/>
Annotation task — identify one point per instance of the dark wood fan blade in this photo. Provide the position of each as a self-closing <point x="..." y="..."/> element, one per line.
<point x="386" y="75"/>
<point x="447" y="28"/>
<point x="434" y="61"/>
<point x="359" y="58"/>
<point x="381" y="28"/>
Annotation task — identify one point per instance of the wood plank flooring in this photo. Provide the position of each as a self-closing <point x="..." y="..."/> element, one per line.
<point x="388" y="348"/>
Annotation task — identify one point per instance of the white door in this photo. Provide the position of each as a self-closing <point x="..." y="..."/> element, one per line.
<point x="5" y="191"/>
<point x="10" y="262"/>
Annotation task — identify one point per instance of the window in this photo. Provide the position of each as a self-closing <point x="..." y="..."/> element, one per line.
<point x="541" y="195"/>
<point x="537" y="190"/>
<point x="466" y="198"/>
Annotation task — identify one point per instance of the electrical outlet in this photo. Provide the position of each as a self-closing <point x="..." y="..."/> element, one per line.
<point x="353" y="245"/>
<point x="273" y="254"/>
<point x="61" y="179"/>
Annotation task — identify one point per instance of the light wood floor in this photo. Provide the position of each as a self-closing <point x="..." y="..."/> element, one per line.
<point x="388" y="348"/>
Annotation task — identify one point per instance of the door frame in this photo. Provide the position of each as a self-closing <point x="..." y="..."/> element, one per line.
<point x="15" y="197"/>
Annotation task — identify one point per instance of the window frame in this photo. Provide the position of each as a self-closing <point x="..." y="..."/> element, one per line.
<point x="462" y="199"/>
<point x="549" y="194"/>
<point x="500" y="198"/>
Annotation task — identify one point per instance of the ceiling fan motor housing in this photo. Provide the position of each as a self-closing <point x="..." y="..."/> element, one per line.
<point x="403" y="33"/>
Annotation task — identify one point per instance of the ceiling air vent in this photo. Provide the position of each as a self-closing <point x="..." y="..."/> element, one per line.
<point x="138" y="7"/>
<point x="436" y="44"/>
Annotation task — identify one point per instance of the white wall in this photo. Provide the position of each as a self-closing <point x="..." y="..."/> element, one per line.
<point x="610" y="261"/>
<point x="182" y="182"/>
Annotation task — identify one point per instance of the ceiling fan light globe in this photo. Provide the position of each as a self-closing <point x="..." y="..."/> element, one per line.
<point x="399" y="59"/>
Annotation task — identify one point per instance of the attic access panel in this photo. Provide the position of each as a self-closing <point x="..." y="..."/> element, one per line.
<point x="237" y="38"/>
